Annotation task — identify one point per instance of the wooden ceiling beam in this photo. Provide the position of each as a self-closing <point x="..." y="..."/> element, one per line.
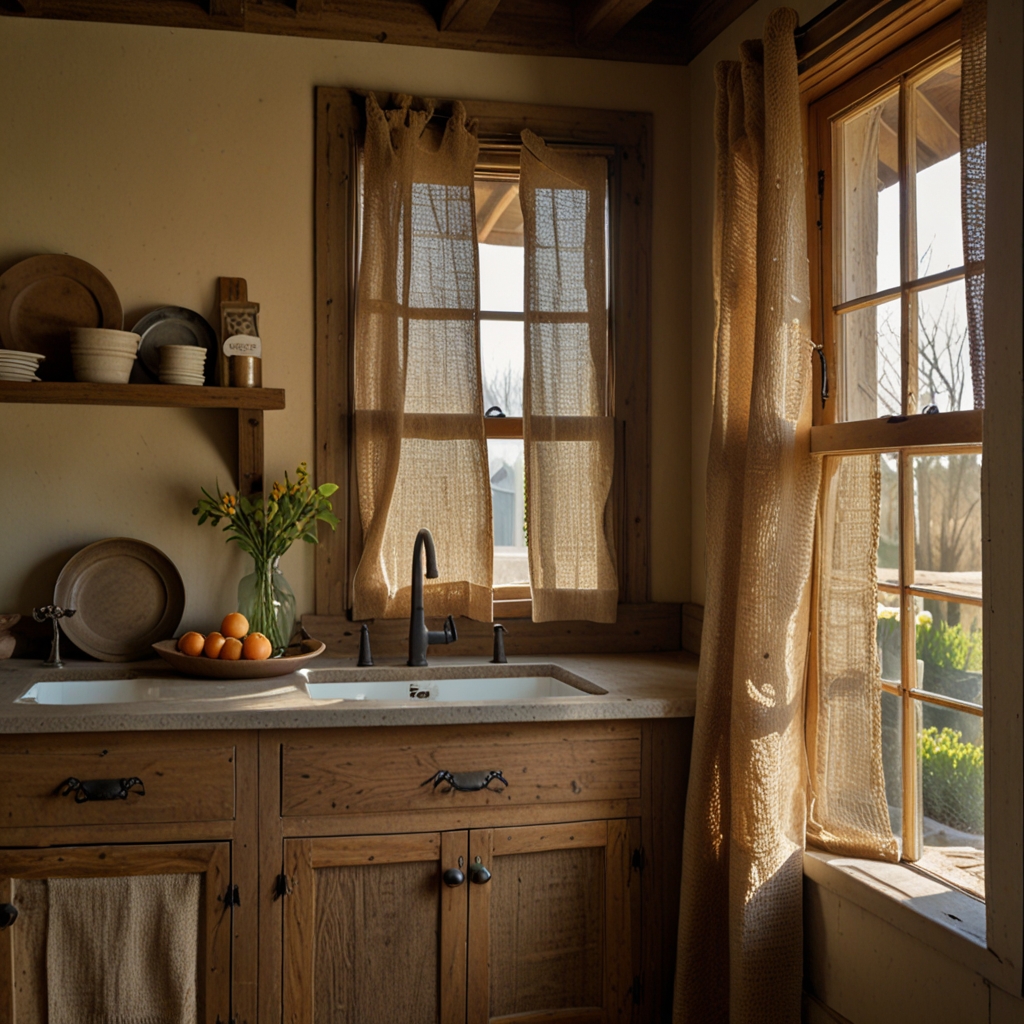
<point x="599" y="21"/>
<point x="466" y="15"/>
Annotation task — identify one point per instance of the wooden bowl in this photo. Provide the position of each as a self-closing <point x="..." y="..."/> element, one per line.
<point x="292" y="660"/>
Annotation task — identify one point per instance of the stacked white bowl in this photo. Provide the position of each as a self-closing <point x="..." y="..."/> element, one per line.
<point x="19" y="365"/>
<point x="182" y="364"/>
<point x="100" y="355"/>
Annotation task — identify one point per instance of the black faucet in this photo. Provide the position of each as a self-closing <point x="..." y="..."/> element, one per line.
<point x="419" y="635"/>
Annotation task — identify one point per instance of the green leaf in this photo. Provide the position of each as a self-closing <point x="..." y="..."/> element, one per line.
<point x="326" y="490"/>
<point x="309" y="540"/>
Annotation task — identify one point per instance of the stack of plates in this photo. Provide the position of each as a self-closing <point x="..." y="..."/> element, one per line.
<point x="19" y="365"/>
<point x="182" y="364"/>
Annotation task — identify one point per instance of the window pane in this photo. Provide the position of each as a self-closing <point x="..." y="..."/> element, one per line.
<point x="947" y="510"/>
<point x="951" y="756"/>
<point x="949" y="651"/>
<point x="943" y="352"/>
<point x="892" y="758"/>
<point x="499" y="225"/>
<point x="939" y="232"/>
<point x="501" y="364"/>
<point x="869" y="375"/>
<point x="888" y="635"/>
<point x="868" y="177"/>
<point x="889" y="521"/>
<point x="508" y="502"/>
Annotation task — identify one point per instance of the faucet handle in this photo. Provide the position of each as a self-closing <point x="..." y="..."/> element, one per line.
<point x="499" y="645"/>
<point x="450" y="632"/>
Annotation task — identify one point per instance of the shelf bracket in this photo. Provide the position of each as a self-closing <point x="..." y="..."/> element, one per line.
<point x="250" y="451"/>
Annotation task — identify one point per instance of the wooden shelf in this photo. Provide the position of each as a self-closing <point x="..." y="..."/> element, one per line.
<point x="249" y="404"/>
<point x="159" y="395"/>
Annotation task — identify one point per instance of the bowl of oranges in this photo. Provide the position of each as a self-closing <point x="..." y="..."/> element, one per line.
<point x="232" y="652"/>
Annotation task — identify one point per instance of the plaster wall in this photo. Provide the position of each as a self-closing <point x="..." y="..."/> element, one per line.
<point x="169" y="157"/>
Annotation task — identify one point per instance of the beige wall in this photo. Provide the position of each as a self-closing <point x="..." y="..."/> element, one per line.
<point x="169" y="157"/>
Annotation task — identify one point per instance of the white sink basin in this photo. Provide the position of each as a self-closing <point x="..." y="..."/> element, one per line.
<point x="476" y="689"/>
<point x="130" y="691"/>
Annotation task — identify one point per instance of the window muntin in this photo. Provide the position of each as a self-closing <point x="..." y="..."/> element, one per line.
<point x="897" y="264"/>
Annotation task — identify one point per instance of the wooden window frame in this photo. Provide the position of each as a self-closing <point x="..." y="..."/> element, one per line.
<point x="626" y="137"/>
<point x="869" y="59"/>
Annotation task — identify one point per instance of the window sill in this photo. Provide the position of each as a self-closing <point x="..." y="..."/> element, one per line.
<point x="925" y="908"/>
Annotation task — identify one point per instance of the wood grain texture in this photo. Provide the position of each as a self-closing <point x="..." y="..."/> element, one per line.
<point x="453" y="952"/>
<point x="577" y="835"/>
<point x="28" y="948"/>
<point x="640" y="628"/>
<point x="478" y="981"/>
<point x="299" y="943"/>
<point x="166" y="396"/>
<point x="948" y="429"/>
<point x="184" y="784"/>
<point x="360" y="850"/>
<point x="338" y="123"/>
<point x="272" y="864"/>
<point x="664" y="33"/>
<point x="667" y="744"/>
<point x="245" y="918"/>
<point x="466" y="15"/>
<point x="250" y="450"/>
<point x="618" y="965"/>
<point x="328" y="774"/>
<point x="599" y="21"/>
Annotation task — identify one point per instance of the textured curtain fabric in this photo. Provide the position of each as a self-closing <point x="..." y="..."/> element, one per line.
<point x="973" y="134"/>
<point x="421" y="454"/>
<point x="569" y="435"/>
<point x="848" y="812"/>
<point x="740" y="941"/>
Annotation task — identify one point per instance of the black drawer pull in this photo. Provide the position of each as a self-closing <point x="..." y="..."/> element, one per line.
<point x="466" y="782"/>
<point x="101" y="789"/>
<point x="8" y="915"/>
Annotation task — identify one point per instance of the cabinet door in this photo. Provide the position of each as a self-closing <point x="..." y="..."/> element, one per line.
<point x="136" y="928"/>
<point x="372" y="935"/>
<point x="551" y="931"/>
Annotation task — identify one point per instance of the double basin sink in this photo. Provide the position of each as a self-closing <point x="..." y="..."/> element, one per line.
<point x="504" y="683"/>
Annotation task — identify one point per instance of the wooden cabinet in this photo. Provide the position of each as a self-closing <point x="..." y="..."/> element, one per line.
<point x="66" y="928"/>
<point x="537" y="925"/>
<point x="321" y="860"/>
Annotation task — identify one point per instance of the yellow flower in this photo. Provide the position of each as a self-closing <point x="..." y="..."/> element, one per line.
<point x="924" y="618"/>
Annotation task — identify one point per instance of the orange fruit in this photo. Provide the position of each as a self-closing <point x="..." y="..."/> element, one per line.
<point x="256" y="647"/>
<point x="235" y="625"/>
<point x="213" y="645"/>
<point x="192" y="644"/>
<point x="232" y="649"/>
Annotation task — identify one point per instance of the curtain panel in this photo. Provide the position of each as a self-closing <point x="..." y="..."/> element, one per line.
<point x="569" y="434"/>
<point x="421" y="454"/>
<point x="740" y="954"/>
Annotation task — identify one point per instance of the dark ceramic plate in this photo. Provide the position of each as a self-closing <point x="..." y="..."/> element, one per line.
<point x="172" y="325"/>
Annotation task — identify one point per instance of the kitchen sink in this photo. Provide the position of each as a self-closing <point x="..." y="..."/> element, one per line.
<point x="475" y="689"/>
<point x="131" y="691"/>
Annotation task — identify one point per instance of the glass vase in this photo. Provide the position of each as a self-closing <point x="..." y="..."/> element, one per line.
<point x="266" y="599"/>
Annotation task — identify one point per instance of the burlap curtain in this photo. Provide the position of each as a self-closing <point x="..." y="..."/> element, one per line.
<point x="973" y="133"/>
<point x="569" y="435"/>
<point x="421" y="455"/>
<point x="740" y="940"/>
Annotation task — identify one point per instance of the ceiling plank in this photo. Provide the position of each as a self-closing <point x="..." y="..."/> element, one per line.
<point x="466" y="15"/>
<point x="599" y="21"/>
<point x="708" y="19"/>
<point x="229" y="11"/>
<point x="314" y="8"/>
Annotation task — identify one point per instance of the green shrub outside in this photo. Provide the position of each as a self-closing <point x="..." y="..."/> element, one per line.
<point x="953" y="779"/>
<point x="948" y="646"/>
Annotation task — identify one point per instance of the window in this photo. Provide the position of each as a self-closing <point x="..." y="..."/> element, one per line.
<point x="624" y="139"/>
<point x="892" y="313"/>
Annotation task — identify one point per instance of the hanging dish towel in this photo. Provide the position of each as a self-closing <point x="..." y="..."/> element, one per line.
<point x="123" y="950"/>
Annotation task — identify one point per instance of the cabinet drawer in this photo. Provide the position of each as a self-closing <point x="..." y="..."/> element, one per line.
<point x="180" y="783"/>
<point x="366" y="771"/>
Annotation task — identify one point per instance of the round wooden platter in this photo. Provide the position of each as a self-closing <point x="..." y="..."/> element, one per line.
<point x="125" y="594"/>
<point x="214" y="668"/>
<point x="44" y="297"/>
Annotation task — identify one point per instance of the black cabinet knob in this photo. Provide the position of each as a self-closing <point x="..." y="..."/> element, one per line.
<point x="478" y="874"/>
<point x="8" y="915"/>
<point x="453" y="878"/>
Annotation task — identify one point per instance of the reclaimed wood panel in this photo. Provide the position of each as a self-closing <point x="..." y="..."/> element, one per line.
<point x="641" y="628"/>
<point x="543" y="763"/>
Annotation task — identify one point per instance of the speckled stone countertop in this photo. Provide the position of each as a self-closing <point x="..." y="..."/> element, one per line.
<point x="636" y="685"/>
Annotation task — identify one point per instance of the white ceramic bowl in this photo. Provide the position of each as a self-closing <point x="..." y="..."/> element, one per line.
<point x="170" y="377"/>
<point x="96" y="339"/>
<point x="102" y="367"/>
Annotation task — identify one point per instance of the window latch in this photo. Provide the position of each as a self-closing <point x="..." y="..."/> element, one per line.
<point x="495" y="412"/>
<point x="820" y="349"/>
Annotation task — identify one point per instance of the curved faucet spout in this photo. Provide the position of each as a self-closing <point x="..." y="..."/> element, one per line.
<point x="419" y="635"/>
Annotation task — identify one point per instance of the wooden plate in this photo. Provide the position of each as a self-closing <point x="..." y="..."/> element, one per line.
<point x="214" y="668"/>
<point x="125" y="593"/>
<point x="43" y="297"/>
